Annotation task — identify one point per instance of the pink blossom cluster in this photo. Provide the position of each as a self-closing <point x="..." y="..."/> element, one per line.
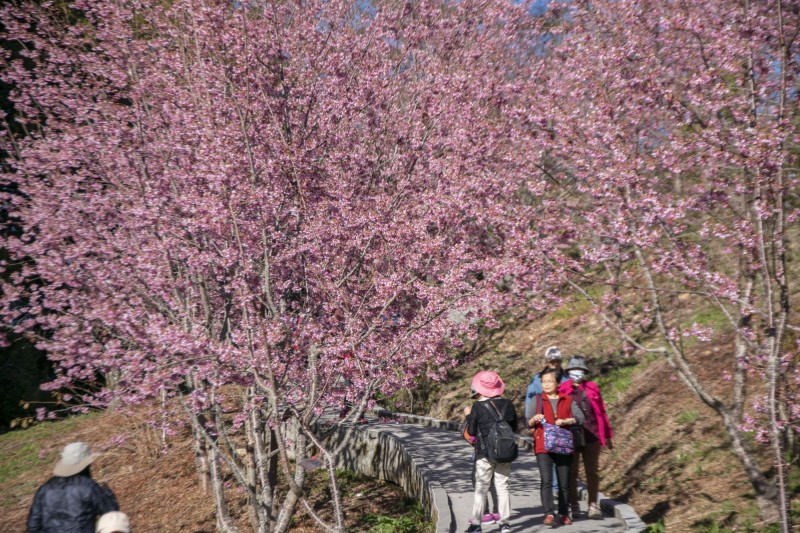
<point x="316" y="201"/>
<point x="267" y="195"/>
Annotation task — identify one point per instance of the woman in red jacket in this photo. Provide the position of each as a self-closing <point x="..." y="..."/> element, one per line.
<point x="558" y="409"/>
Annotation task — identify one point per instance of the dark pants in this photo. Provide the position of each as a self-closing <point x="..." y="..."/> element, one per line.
<point x="591" y="460"/>
<point x="562" y="464"/>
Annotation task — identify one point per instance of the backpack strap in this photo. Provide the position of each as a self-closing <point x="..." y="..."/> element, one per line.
<point x="498" y="415"/>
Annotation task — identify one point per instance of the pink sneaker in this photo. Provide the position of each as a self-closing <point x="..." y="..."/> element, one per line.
<point x="488" y="518"/>
<point x="496" y="517"/>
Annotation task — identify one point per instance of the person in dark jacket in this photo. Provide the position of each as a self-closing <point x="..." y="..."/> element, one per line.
<point x="488" y="388"/>
<point x="71" y="501"/>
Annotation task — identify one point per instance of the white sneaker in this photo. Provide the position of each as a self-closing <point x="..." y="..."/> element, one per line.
<point x="594" y="511"/>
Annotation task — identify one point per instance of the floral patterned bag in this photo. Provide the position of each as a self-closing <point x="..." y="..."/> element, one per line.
<point x="556" y="439"/>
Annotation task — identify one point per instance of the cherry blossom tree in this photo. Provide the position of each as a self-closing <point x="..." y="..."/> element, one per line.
<point x="669" y="135"/>
<point x="252" y="213"/>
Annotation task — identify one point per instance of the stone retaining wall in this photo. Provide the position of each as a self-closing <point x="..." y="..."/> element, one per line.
<point x="378" y="455"/>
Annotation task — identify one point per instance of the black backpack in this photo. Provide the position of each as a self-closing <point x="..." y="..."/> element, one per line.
<point x="500" y="445"/>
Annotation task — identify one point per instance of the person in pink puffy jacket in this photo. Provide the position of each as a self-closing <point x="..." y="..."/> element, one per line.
<point x="596" y="429"/>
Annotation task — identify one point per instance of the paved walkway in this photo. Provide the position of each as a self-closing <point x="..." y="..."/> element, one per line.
<point x="447" y="460"/>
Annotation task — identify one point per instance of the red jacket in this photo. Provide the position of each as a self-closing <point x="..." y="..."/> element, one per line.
<point x="543" y="405"/>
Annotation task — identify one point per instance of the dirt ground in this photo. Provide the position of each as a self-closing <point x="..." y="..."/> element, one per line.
<point x="671" y="461"/>
<point x="161" y="492"/>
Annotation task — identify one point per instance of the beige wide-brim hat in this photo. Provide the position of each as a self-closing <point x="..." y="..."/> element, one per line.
<point x="74" y="458"/>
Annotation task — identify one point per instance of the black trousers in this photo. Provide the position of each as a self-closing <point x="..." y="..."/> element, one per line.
<point x="563" y="464"/>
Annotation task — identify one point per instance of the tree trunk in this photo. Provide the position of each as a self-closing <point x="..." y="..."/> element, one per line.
<point x="224" y="521"/>
<point x="200" y="451"/>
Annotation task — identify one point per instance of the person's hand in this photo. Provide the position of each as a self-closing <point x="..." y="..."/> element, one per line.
<point x="536" y="419"/>
<point x="565" y="421"/>
<point x="609" y="444"/>
<point x="467" y="410"/>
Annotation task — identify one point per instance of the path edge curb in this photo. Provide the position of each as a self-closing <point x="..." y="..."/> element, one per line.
<point x="377" y="454"/>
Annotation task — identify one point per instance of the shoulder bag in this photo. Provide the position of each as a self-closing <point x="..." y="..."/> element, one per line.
<point x="557" y="440"/>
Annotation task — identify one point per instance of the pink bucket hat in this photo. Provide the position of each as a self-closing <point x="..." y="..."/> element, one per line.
<point x="488" y="384"/>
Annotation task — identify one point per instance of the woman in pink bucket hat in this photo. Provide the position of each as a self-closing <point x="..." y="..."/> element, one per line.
<point x="487" y="389"/>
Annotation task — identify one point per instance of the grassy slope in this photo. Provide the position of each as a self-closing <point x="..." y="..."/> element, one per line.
<point x="671" y="460"/>
<point x="160" y="491"/>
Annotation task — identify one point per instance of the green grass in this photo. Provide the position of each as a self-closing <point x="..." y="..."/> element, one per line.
<point x="687" y="417"/>
<point x="577" y="307"/>
<point x="406" y="516"/>
<point x="25" y="454"/>
<point x="388" y="524"/>
<point x="412" y="521"/>
<point x="616" y="382"/>
<point x="740" y="518"/>
<point x="710" y="316"/>
<point x="658" y="527"/>
<point x="794" y="478"/>
<point x="692" y="453"/>
<point x="572" y="309"/>
<point x="19" y="450"/>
